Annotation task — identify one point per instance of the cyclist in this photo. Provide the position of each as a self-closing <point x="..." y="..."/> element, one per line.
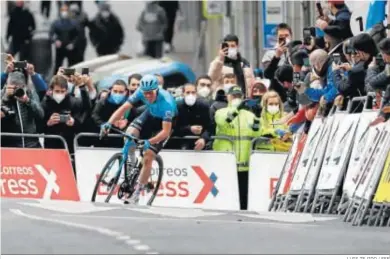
<point x="158" y="117"/>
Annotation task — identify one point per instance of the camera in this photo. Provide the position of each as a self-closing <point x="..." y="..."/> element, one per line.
<point x="69" y="71"/>
<point x="308" y="33"/>
<point x="7" y="111"/>
<point x="336" y="58"/>
<point x="64" y="118"/>
<point x="296" y="79"/>
<point x="380" y="62"/>
<point x="20" y="65"/>
<point x="19" y="92"/>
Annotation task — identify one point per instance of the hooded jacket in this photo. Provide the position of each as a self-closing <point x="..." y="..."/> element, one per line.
<point x="152" y="22"/>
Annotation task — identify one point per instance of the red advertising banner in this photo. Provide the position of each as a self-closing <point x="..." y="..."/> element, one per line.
<point x="37" y="174"/>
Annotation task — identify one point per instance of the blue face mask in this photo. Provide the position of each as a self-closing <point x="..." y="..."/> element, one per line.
<point x="117" y="98"/>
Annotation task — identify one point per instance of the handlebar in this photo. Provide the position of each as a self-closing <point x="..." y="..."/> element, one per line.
<point x="124" y="134"/>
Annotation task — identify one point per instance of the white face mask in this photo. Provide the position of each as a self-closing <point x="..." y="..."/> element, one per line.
<point x="227" y="87"/>
<point x="64" y="14"/>
<point x="204" y="91"/>
<point x="190" y="99"/>
<point x="232" y="53"/>
<point x="160" y="86"/>
<point x="273" y="109"/>
<point x="58" y="97"/>
<point x="236" y="102"/>
<point x="105" y="14"/>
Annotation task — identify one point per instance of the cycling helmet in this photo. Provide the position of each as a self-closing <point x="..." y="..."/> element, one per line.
<point x="149" y="83"/>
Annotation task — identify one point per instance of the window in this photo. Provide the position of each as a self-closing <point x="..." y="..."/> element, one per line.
<point x="174" y="80"/>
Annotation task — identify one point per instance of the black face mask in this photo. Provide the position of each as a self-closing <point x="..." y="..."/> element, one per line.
<point x="257" y="97"/>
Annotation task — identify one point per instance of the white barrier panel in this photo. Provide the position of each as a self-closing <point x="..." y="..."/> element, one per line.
<point x="191" y="179"/>
<point x="286" y="173"/>
<point x="330" y="127"/>
<point x="364" y="139"/>
<point x="307" y="154"/>
<point x="336" y="159"/>
<point x="374" y="166"/>
<point x="264" y="172"/>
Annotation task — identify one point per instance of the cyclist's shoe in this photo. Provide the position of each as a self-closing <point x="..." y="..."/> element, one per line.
<point x="134" y="199"/>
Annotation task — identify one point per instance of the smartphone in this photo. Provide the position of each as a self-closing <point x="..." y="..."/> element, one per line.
<point x="69" y="71"/>
<point x="64" y="118"/>
<point x="319" y="9"/>
<point x="85" y="71"/>
<point x="20" y="64"/>
<point x="336" y="58"/>
<point x="306" y="62"/>
<point x="296" y="79"/>
<point x="224" y="45"/>
<point x="308" y="33"/>
<point x="282" y="41"/>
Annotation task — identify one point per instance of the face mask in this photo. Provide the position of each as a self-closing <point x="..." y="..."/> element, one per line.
<point x="232" y="53"/>
<point x="105" y="14"/>
<point x="226" y="87"/>
<point x="273" y="109"/>
<point x="58" y="97"/>
<point x="116" y="98"/>
<point x="64" y="14"/>
<point x="160" y="86"/>
<point x="204" y="91"/>
<point x="236" y="102"/>
<point x="190" y="99"/>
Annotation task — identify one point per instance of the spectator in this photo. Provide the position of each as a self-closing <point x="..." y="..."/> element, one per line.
<point x="380" y="81"/>
<point x="203" y="86"/>
<point x="20" y="112"/>
<point x="284" y="35"/>
<point x="334" y="41"/>
<point x="29" y="73"/>
<point x="364" y="49"/>
<point x="83" y="22"/>
<point x="193" y="119"/>
<point x="171" y="9"/>
<point x="103" y="94"/>
<point x="270" y="126"/>
<point x="322" y="68"/>
<point x="342" y="15"/>
<point x="236" y="123"/>
<point x="106" y="32"/>
<point x="259" y="88"/>
<point x="133" y="82"/>
<point x="152" y="24"/>
<point x="64" y="33"/>
<point x="106" y="107"/>
<point x="230" y="60"/>
<point x="21" y="27"/>
<point x="63" y="111"/>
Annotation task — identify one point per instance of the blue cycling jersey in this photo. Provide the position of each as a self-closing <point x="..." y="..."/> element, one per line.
<point x="163" y="108"/>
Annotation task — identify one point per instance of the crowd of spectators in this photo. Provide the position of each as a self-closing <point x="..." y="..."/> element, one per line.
<point x="224" y="110"/>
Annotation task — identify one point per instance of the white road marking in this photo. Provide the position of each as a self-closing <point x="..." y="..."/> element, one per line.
<point x="277" y="224"/>
<point x="176" y="212"/>
<point x="67" y="206"/>
<point x="100" y="230"/>
<point x="287" y="217"/>
<point x="142" y="247"/>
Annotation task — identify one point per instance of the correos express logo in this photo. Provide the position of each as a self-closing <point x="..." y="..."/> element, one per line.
<point x="208" y="184"/>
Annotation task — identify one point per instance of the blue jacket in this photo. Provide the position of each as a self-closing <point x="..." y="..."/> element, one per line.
<point x="329" y="91"/>
<point x="39" y="84"/>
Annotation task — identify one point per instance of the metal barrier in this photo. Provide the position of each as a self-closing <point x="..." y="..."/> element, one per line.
<point x="78" y="136"/>
<point x="28" y="135"/>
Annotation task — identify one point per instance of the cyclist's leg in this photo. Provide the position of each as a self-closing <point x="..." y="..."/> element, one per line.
<point x="135" y="129"/>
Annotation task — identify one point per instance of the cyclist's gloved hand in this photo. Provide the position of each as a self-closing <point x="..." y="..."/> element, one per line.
<point x="280" y="132"/>
<point x="105" y="128"/>
<point x="145" y="143"/>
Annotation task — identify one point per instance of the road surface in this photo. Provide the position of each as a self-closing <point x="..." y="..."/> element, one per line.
<point x="57" y="227"/>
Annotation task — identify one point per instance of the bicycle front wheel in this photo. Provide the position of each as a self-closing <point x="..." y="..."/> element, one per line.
<point x="156" y="185"/>
<point x="107" y="181"/>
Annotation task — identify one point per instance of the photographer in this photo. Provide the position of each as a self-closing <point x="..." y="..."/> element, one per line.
<point x="29" y="72"/>
<point x="284" y="35"/>
<point x="20" y="112"/>
<point x="230" y="60"/>
<point x="62" y="113"/>
<point x="106" y="107"/>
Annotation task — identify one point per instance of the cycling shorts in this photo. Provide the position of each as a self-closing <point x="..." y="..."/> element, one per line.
<point x="149" y="126"/>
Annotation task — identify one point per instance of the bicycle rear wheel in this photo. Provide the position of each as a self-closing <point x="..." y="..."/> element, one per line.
<point x="113" y="182"/>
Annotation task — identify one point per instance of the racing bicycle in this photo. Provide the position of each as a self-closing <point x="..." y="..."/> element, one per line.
<point x="131" y="174"/>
